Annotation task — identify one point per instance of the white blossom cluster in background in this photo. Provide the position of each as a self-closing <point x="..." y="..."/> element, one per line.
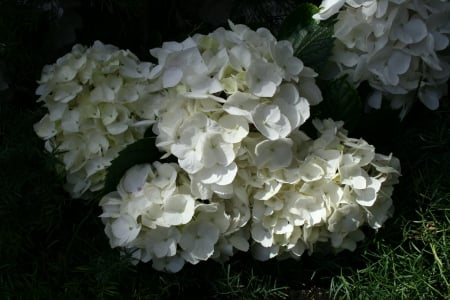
<point x="228" y="107"/>
<point x="97" y="103"/>
<point x="394" y="45"/>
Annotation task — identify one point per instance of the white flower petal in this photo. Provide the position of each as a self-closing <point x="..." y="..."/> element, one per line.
<point x="328" y="8"/>
<point x="310" y="171"/>
<point x="125" y="229"/>
<point x="262" y="235"/>
<point x="219" y="174"/>
<point x="71" y="121"/>
<point x="368" y="196"/>
<point x="240" y="57"/>
<point x="414" y="31"/>
<point x="216" y="151"/>
<point x="374" y="99"/>
<point x="178" y="209"/>
<point x="135" y="178"/>
<point x="235" y="128"/>
<point x="283" y="55"/>
<point x="172" y="77"/>
<point x="270" y="122"/>
<point x="263" y="78"/>
<point x="198" y="240"/>
<point x="274" y="154"/>
<point x="241" y="104"/>
<point x="399" y="62"/>
<point x="239" y="242"/>
<point x="171" y="264"/>
<point x="45" y="128"/>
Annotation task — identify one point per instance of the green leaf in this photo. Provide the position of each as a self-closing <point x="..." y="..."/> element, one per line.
<point x="300" y="18"/>
<point x="141" y="151"/>
<point x="312" y="42"/>
<point x="316" y="47"/>
<point x="341" y="101"/>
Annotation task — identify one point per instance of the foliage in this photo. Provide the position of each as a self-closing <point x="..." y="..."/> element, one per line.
<point x="312" y="42"/>
<point x="142" y="151"/>
<point x="341" y="102"/>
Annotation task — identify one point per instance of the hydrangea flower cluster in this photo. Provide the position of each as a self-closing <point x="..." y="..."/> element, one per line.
<point x="332" y="186"/>
<point x="227" y="107"/>
<point x="154" y="216"/>
<point x="219" y="87"/>
<point x="246" y="178"/>
<point x="97" y="103"/>
<point x="395" y="45"/>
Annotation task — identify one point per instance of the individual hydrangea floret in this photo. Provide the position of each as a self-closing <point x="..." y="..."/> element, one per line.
<point x="97" y="104"/>
<point x="396" y="46"/>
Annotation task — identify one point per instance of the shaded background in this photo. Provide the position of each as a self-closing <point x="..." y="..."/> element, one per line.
<point x="53" y="247"/>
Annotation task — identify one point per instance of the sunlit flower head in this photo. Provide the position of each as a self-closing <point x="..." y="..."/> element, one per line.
<point x="342" y="184"/>
<point x="219" y="88"/>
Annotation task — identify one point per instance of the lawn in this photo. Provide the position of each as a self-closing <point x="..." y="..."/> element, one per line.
<point x="54" y="247"/>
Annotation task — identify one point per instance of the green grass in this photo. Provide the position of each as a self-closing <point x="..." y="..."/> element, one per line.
<point x="410" y="257"/>
<point x="415" y="268"/>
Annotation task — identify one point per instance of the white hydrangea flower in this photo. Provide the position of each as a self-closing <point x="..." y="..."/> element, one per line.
<point x="335" y="186"/>
<point x="274" y="155"/>
<point x="97" y="104"/>
<point x="396" y="46"/>
<point x="171" y="264"/>
<point x="149" y="193"/>
<point x="227" y="106"/>
<point x="328" y="8"/>
<point x="341" y="185"/>
<point x="219" y="87"/>
<point x="153" y="215"/>
<point x="161" y="242"/>
<point x="123" y="230"/>
<point x="198" y="240"/>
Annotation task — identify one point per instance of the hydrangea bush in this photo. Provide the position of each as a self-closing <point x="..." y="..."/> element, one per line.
<point x="236" y="172"/>
<point x="395" y="45"/>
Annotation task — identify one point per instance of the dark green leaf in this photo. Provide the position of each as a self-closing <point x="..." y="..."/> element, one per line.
<point x="312" y="42"/>
<point x="315" y="47"/>
<point x="299" y="19"/>
<point x="141" y="151"/>
<point x="340" y="102"/>
<point x="149" y="132"/>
